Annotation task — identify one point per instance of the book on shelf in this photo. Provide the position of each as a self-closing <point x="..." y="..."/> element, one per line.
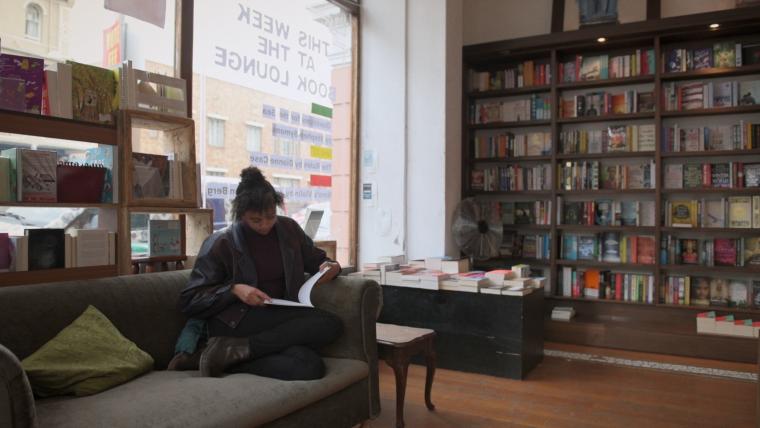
<point x="606" y="213"/>
<point x="739" y="136"/>
<point x="590" y="283"/>
<point x="91" y="247"/>
<point x="511" y="145"/>
<point x="80" y="183"/>
<point x="562" y="313"/>
<point x="94" y="93"/>
<point x="707" y="291"/>
<point x="32" y="174"/>
<point x="526" y="74"/>
<point x="511" y="178"/>
<point x="530" y="246"/>
<point x="19" y="253"/>
<point x="5" y="252"/>
<point x="740" y="211"/>
<point x="608" y="247"/>
<point x="535" y="107"/>
<point x="733" y="212"/>
<point x="104" y="156"/>
<point x="695" y="175"/>
<point x="150" y="175"/>
<point x="57" y="99"/>
<point x="5" y="180"/>
<point x="165" y="238"/>
<point x="46" y="248"/>
<point x="678" y="96"/>
<point x="724" y="54"/>
<point x="601" y="67"/>
<point x="618" y="138"/>
<point x="600" y="103"/>
<point x="595" y="175"/>
<point x="21" y="83"/>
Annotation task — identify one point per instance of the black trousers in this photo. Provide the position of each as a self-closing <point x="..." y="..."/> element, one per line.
<point x="283" y="340"/>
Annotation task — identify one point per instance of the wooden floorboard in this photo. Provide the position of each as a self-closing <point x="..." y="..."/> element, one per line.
<point x="563" y="393"/>
<point x="646" y="356"/>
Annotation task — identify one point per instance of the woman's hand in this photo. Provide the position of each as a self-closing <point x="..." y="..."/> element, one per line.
<point x="250" y="295"/>
<point x="333" y="271"/>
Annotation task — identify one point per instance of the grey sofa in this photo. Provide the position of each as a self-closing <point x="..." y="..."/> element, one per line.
<point x="144" y="309"/>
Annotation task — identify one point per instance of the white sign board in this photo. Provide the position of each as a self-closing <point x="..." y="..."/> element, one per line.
<point x="276" y="47"/>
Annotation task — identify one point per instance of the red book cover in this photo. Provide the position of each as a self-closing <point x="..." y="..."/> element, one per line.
<point x="725" y="252"/>
<point x="80" y="184"/>
<point x="645" y="250"/>
<point x="618" y="286"/>
<point x="618" y="104"/>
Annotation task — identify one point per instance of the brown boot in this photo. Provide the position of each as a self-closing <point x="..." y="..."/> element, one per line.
<point x="185" y="361"/>
<point x="223" y="352"/>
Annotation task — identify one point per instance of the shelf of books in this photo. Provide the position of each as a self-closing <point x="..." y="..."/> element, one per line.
<point x="162" y="237"/>
<point x="159" y="159"/>
<point x="63" y="146"/>
<point x="641" y="185"/>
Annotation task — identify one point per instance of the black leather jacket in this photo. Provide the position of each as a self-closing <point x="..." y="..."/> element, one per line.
<point x="224" y="260"/>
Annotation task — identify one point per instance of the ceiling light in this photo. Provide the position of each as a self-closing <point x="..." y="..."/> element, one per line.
<point x="601" y="39"/>
<point x="714" y="26"/>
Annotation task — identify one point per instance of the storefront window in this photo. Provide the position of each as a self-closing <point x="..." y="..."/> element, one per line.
<point x="281" y="74"/>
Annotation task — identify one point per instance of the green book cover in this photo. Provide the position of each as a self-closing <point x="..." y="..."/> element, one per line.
<point x="94" y="93"/>
<point x="5" y="179"/>
<point x="12" y="168"/>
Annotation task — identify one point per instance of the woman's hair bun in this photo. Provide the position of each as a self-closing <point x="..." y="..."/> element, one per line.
<point x="252" y="176"/>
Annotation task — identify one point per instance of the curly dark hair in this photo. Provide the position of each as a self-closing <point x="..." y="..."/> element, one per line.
<point x="255" y="193"/>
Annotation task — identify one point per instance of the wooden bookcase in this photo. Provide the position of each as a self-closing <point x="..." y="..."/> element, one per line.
<point x="178" y="138"/>
<point x="647" y="327"/>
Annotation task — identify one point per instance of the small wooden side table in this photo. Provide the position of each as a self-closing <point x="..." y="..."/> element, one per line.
<point x="397" y="345"/>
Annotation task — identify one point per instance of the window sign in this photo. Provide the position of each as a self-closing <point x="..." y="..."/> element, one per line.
<point x="268" y="46"/>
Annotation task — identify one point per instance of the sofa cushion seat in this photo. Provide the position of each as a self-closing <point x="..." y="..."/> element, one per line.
<point x="184" y="399"/>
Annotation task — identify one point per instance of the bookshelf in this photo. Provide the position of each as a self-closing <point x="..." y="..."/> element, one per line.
<point x="654" y="326"/>
<point x="174" y="134"/>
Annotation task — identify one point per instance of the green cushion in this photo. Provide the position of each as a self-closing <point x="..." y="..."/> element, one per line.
<point x="87" y="357"/>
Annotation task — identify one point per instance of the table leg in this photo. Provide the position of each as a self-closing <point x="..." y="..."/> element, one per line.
<point x="400" y="367"/>
<point x="430" y="362"/>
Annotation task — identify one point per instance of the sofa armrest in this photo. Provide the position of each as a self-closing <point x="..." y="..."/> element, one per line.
<point x="357" y="302"/>
<point x="16" y="399"/>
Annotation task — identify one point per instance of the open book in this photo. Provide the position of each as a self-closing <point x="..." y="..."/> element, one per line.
<point x="304" y="294"/>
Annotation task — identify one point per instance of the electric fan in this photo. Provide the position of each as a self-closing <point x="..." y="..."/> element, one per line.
<point x="477" y="228"/>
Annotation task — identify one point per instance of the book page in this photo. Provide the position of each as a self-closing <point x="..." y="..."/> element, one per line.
<point x="283" y="302"/>
<point x="304" y="294"/>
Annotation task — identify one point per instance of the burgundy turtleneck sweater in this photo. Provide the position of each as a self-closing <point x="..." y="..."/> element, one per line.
<point x="267" y="258"/>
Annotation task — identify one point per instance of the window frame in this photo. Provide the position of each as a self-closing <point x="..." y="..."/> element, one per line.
<point x="184" y="61"/>
<point x="212" y="118"/>
<point x="33" y="6"/>
<point x="248" y="127"/>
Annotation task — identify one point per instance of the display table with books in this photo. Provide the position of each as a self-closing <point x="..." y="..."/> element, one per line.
<point x="498" y="335"/>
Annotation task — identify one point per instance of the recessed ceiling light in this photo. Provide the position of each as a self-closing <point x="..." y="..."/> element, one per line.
<point x="601" y="39"/>
<point x="714" y="26"/>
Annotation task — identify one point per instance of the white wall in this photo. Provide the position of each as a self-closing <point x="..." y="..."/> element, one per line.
<point x="411" y="69"/>
<point x="453" y="171"/>
<point x="382" y="126"/>
<point x="426" y="103"/>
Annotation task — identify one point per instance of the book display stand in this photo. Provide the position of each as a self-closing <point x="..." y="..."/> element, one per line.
<point x="149" y="158"/>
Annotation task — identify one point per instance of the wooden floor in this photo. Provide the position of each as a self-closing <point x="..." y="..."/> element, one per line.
<point x="562" y="393"/>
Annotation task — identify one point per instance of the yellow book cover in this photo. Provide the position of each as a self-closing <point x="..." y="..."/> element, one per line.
<point x="683" y="214"/>
<point x="740" y="211"/>
<point x="94" y="93"/>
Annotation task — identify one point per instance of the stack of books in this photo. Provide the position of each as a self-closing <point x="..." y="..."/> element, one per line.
<point x="563" y="313"/>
